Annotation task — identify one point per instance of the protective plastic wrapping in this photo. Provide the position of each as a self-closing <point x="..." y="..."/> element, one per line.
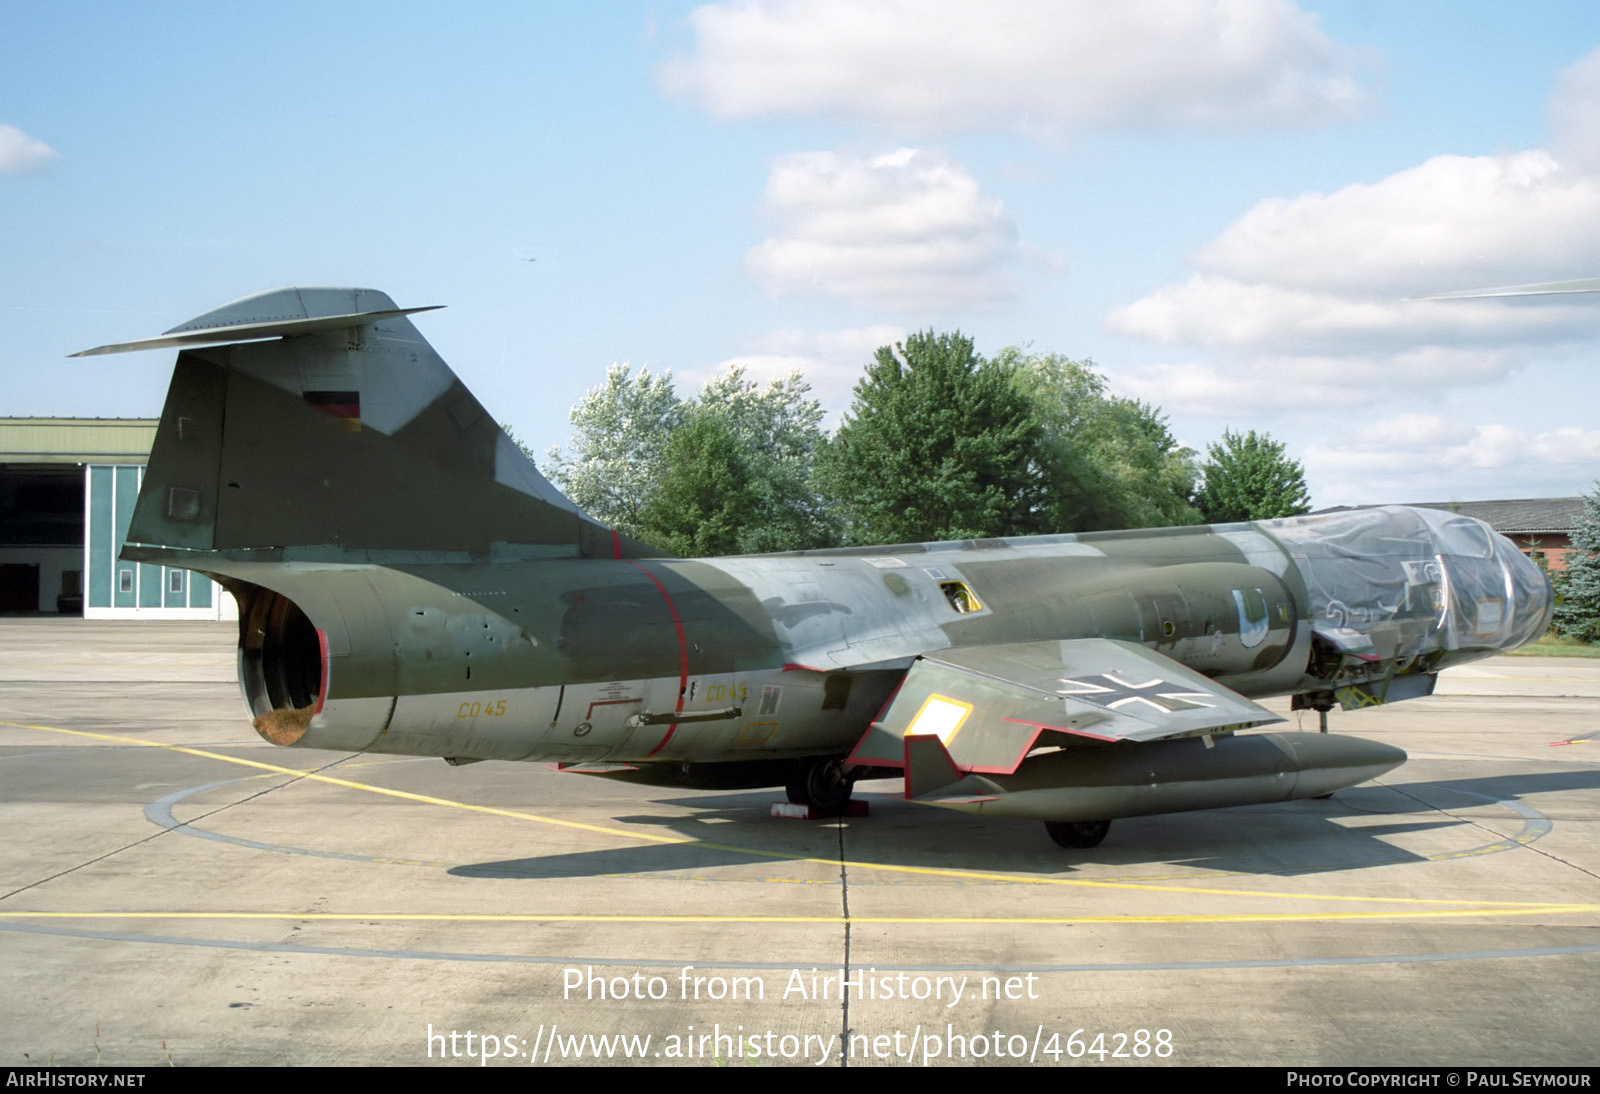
<point x="1395" y="582"/>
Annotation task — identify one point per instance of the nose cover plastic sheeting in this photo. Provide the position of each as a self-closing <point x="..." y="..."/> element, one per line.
<point x="1393" y="582"/>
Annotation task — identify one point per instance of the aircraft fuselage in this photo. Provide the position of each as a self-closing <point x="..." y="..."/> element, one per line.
<point x="775" y="656"/>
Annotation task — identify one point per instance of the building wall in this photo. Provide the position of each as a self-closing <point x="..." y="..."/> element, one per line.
<point x="1552" y="548"/>
<point x="117" y="589"/>
<point x="75" y="440"/>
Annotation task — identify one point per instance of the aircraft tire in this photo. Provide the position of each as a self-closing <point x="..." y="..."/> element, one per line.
<point x="1077" y="834"/>
<point x="822" y="785"/>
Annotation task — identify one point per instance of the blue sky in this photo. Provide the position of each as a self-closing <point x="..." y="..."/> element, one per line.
<point x="1223" y="204"/>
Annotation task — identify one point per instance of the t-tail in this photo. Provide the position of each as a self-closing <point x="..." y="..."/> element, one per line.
<point x="310" y="434"/>
<point x="319" y="425"/>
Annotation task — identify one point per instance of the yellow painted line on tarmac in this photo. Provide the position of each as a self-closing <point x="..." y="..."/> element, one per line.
<point x="275" y="769"/>
<point x="966" y="875"/>
<point x="827" y="920"/>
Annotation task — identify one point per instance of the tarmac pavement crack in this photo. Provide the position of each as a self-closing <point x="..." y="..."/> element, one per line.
<point x="844" y="901"/>
<point x="157" y="835"/>
<point x="1562" y="861"/>
<point x="1485" y="828"/>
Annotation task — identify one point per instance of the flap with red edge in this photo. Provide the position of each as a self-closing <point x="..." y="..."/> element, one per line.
<point x="988" y="705"/>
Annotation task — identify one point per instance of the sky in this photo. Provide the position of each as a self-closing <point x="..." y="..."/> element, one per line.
<point x="1228" y="206"/>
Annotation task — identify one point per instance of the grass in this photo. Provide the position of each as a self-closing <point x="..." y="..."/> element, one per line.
<point x="1551" y="646"/>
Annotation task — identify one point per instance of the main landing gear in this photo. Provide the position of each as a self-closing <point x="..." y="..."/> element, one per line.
<point x="824" y="785"/>
<point x="1077" y="834"/>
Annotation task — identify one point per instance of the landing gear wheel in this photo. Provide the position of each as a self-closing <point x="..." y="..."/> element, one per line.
<point x="823" y="786"/>
<point x="1077" y="833"/>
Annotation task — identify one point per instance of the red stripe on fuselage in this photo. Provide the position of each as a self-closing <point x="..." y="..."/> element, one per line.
<point x="683" y="650"/>
<point x="878" y="721"/>
<point x="322" y="686"/>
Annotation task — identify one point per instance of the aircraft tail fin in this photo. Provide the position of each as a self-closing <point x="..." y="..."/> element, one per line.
<point x="319" y="422"/>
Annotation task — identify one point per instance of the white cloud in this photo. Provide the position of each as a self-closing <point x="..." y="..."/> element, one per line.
<point x="1451" y="222"/>
<point x="1214" y="310"/>
<point x="1303" y="301"/>
<point x="1199" y="388"/>
<point x="21" y="153"/>
<point x="907" y="229"/>
<point x="855" y="344"/>
<point x="1407" y="431"/>
<point x="1235" y="388"/>
<point x="831" y="361"/>
<point x="1407" y="457"/>
<point x="1037" y="66"/>
<point x="1439" y="441"/>
<point x="1568" y="445"/>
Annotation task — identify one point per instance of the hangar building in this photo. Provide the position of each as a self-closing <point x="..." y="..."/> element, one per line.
<point x="67" y="487"/>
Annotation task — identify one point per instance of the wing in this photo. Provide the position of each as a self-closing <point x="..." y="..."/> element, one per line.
<point x="988" y="705"/>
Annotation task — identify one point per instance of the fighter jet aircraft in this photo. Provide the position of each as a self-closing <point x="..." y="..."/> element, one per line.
<point x="409" y="583"/>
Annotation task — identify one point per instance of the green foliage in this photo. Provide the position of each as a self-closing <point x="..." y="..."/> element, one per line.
<point x="1250" y="477"/>
<point x="1555" y="646"/>
<point x="937" y="444"/>
<point x="619" y="447"/>
<point x="726" y="472"/>
<point x="1577" y="611"/>
<point x="709" y="490"/>
<point x="510" y="431"/>
<point x="738" y="472"/>
<point x="1106" y="461"/>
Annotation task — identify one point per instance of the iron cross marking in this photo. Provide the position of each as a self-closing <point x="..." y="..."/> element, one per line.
<point x="1111" y="691"/>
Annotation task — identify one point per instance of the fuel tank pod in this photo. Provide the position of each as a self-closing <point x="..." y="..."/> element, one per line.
<point x="1122" y="779"/>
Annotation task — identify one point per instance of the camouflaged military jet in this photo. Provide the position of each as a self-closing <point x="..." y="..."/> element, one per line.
<point x="409" y="583"/>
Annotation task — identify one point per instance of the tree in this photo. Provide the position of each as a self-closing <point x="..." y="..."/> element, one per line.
<point x="698" y="507"/>
<point x="738" y="472"/>
<point x="1108" y="462"/>
<point x="937" y="444"/>
<point x="1249" y="477"/>
<point x="619" y="444"/>
<point x="728" y="471"/>
<point x="1577" y="611"/>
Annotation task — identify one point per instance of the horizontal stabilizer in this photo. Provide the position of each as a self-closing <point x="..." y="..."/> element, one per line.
<point x="318" y="422"/>
<point x="987" y="705"/>
<point x="253" y="332"/>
